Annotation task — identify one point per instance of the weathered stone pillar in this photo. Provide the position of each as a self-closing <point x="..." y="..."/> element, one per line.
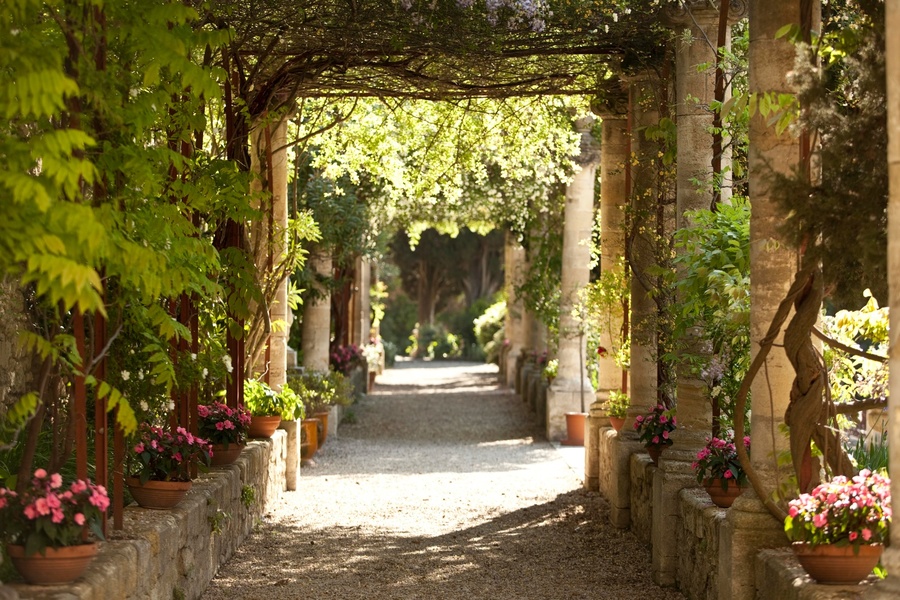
<point x="890" y="587"/>
<point x="514" y="272"/>
<point x="363" y="317"/>
<point x="572" y="385"/>
<point x="644" y="105"/>
<point x="279" y="311"/>
<point x="749" y="527"/>
<point x="613" y="198"/>
<point x="696" y="24"/>
<point x="317" y="315"/>
<point x="268" y="238"/>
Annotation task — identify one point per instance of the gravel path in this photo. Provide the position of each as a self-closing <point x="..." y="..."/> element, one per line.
<point x="441" y="489"/>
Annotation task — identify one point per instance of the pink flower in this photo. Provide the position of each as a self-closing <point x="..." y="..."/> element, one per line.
<point x="40" y="474"/>
<point x="820" y="520"/>
<point x="57" y="516"/>
<point x="41" y="506"/>
<point x="79" y="519"/>
<point x="867" y="534"/>
<point x="727" y="475"/>
<point x="220" y="425"/>
<point x="853" y="535"/>
<point x="55" y="481"/>
<point x="78" y="487"/>
<point x="655" y="439"/>
<point x="139" y="447"/>
<point x="665" y="435"/>
<point x="30" y="512"/>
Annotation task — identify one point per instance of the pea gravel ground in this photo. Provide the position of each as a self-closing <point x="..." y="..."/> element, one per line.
<point x="442" y="488"/>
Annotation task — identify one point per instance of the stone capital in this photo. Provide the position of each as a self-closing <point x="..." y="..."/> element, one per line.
<point x="689" y="12"/>
<point x="611" y="105"/>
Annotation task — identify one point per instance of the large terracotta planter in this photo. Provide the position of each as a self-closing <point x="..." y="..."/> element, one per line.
<point x="56" y="566"/>
<point x="722" y="498"/>
<point x="310" y="444"/>
<point x="839" y="565"/>
<point x="574" y="429"/>
<point x="160" y="495"/>
<point x="223" y="456"/>
<point x="264" y="426"/>
<point x="322" y="416"/>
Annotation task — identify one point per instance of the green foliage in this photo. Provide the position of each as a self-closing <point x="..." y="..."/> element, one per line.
<point x="845" y="112"/>
<point x="871" y="454"/>
<point x="714" y="298"/>
<point x="435" y="342"/>
<point x="319" y="390"/>
<point x="855" y="377"/>
<point x="487" y="329"/>
<point x="261" y="400"/>
<point x="248" y="495"/>
<point x="617" y="404"/>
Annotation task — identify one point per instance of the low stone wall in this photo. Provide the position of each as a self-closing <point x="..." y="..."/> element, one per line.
<point x="641" y="506"/>
<point x="173" y="554"/>
<point x="700" y="531"/>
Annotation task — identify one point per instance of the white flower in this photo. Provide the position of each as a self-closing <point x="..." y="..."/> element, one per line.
<point x="144" y="406"/>
<point x="205" y="372"/>
<point x="125" y="375"/>
<point x="193" y="356"/>
<point x="140" y="375"/>
<point x="171" y="405"/>
<point x="227" y="361"/>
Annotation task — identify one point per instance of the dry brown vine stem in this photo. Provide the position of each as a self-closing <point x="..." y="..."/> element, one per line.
<point x="805" y="294"/>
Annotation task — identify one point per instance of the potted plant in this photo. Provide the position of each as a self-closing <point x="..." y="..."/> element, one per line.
<point x="719" y="470"/>
<point x="159" y="466"/>
<point x="267" y="407"/>
<point x="226" y="429"/>
<point x="617" y="408"/>
<point x="846" y="521"/>
<point x="318" y="391"/>
<point x="47" y="527"/>
<point x="654" y="429"/>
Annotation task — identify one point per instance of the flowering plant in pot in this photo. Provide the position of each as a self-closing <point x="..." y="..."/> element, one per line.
<point x="46" y="514"/>
<point x="719" y="469"/>
<point x="47" y="526"/>
<point x="267" y="407"/>
<point x="161" y="455"/>
<point x="849" y="517"/>
<point x="221" y="424"/>
<point x="616" y="407"/>
<point x="654" y="429"/>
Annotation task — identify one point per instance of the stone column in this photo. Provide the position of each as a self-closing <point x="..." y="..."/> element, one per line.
<point x="749" y="527"/>
<point x="642" y="252"/>
<point x="890" y="587"/>
<point x="613" y="197"/>
<point x="317" y="316"/>
<point x="269" y="242"/>
<point x="279" y="311"/>
<point x="514" y="273"/>
<point x="696" y="24"/>
<point x="363" y="328"/>
<point x="572" y="384"/>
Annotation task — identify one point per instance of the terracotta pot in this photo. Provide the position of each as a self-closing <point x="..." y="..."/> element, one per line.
<point x="655" y="450"/>
<point x="310" y="445"/>
<point x="56" y="566"/>
<point x="722" y="498"/>
<point x="617" y="423"/>
<point x="322" y="416"/>
<point x="160" y="495"/>
<point x="841" y="565"/>
<point x="265" y="426"/>
<point x="223" y="456"/>
<point x="574" y="429"/>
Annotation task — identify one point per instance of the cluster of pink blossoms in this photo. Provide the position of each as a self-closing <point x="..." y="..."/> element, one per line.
<point x="855" y="510"/>
<point x="719" y="460"/>
<point x="162" y="455"/>
<point x="222" y="424"/>
<point x="54" y="516"/>
<point x="655" y="427"/>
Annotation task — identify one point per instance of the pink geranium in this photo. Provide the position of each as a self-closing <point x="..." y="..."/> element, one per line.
<point x="855" y="510"/>
<point x="221" y="424"/>
<point x="162" y="455"/>
<point x="46" y="515"/>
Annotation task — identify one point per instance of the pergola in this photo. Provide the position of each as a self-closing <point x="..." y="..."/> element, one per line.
<point x="616" y="52"/>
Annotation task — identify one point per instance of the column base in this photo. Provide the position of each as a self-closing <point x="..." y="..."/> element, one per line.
<point x="596" y="420"/>
<point x="560" y="401"/>
<point x="292" y="448"/>
<point x="748" y="528"/>
<point x="888" y="588"/>
<point x="673" y="475"/>
<point x="622" y="446"/>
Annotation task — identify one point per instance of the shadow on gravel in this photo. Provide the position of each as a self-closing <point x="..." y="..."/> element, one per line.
<point x="530" y="553"/>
